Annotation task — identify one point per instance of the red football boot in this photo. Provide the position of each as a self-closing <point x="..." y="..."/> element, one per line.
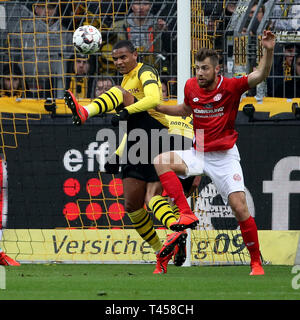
<point x="5" y="260"/>
<point x="179" y="254"/>
<point x="170" y="243"/>
<point x="162" y="263"/>
<point x="256" y="269"/>
<point x="185" y="221"/>
<point x="78" y="111"/>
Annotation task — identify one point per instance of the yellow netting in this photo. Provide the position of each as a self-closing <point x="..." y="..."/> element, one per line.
<point x="39" y="43"/>
<point x="12" y="125"/>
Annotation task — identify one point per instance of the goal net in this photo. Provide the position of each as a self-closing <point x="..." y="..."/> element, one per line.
<point x="57" y="205"/>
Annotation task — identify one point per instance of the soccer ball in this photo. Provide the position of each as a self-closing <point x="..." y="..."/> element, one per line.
<point x="87" y="39"/>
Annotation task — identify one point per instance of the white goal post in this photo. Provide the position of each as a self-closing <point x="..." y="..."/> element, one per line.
<point x="184" y="70"/>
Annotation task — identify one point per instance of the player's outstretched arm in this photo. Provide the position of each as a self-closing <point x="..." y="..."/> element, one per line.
<point x="265" y="64"/>
<point x="151" y="99"/>
<point x="182" y="110"/>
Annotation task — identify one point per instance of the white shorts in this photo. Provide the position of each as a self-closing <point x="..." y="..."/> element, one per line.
<point x="223" y="167"/>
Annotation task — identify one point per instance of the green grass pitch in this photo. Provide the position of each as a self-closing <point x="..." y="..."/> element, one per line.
<point x="136" y="282"/>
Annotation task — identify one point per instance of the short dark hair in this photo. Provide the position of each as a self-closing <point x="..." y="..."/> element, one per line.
<point x="204" y="53"/>
<point x="125" y="44"/>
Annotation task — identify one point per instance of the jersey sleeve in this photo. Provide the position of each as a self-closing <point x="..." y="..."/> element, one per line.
<point x="239" y="84"/>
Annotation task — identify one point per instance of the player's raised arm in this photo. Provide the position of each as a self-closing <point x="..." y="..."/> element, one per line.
<point x="182" y="110"/>
<point x="265" y="64"/>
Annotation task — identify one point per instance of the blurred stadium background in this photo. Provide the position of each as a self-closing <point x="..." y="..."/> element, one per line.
<point x="57" y="206"/>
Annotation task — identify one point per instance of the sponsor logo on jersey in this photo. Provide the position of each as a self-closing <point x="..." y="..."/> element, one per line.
<point x="218" y="97"/>
<point x="134" y="90"/>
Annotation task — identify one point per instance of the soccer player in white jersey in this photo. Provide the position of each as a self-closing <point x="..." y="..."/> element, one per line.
<point x="214" y="100"/>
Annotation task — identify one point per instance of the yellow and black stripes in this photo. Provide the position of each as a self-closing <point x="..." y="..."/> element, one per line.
<point x="148" y="68"/>
<point x="162" y="210"/>
<point x="143" y="82"/>
<point x="142" y="222"/>
<point x="149" y="82"/>
<point x="106" y="102"/>
<point x="175" y="211"/>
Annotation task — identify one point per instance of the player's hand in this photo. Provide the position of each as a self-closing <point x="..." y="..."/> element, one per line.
<point x="123" y="115"/>
<point x="268" y="40"/>
<point x="112" y="166"/>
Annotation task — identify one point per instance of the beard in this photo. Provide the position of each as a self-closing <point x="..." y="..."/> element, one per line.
<point x="205" y="83"/>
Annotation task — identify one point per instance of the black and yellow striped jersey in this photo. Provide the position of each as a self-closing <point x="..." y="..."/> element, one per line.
<point x="144" y="84"/>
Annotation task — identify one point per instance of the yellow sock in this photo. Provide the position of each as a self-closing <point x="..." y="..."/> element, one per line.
<point x="162" y="210"/>
<point x="142" y="222"/>
<point x="106" y="102"/>
<point x="176" y="211"/>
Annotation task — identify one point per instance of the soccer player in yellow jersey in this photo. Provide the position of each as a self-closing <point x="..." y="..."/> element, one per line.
<point x="140" y="92"/>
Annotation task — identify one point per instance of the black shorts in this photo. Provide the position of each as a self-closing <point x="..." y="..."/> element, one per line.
<point x="144" y="172"/>
<point x="147" y="173"/>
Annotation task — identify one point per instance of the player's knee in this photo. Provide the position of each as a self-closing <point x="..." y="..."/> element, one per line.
<point x="156" y="160"/>
<point x="133" y="204"/>
<point x="153" y="189"/>
<point x="131" y="207"/>
<point x="239" y="206"/>
<point x="128" y="98"/>
<point x="163" y="159"/>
